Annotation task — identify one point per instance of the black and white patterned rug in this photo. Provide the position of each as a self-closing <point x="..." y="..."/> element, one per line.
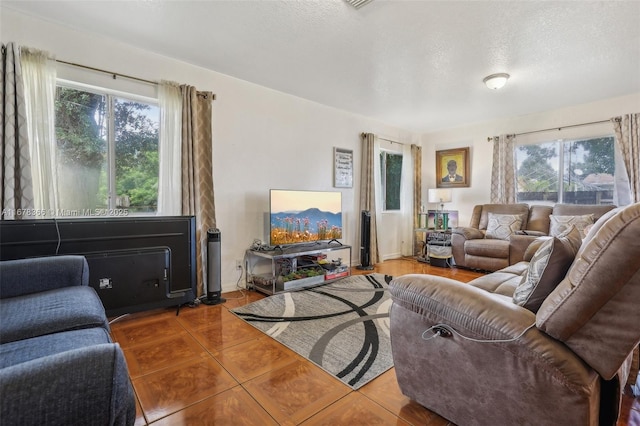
<point x="343" y="327"/>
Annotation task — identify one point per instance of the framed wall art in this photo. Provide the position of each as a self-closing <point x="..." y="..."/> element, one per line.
<point x="452" y="168"/>
<point x="342" y="168"/>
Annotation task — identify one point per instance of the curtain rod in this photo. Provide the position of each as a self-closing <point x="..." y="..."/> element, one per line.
<point x="389" y="140"/>
<point x="490" y="138"/>
<point x="115" y="74"/>
<point x="363" y="134"/>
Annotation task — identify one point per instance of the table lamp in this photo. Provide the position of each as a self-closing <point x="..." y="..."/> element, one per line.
<point x="440" y="195"/>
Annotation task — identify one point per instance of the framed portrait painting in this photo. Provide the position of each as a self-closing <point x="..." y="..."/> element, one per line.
<point x="452" y="168"/>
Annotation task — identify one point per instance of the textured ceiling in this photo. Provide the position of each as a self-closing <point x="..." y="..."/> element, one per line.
<point x="417" y="65"/>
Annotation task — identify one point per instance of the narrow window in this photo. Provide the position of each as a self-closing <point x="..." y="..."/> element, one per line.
<point x="391" y="173"/>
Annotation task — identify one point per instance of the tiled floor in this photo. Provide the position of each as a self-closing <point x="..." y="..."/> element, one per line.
<point x="206" y="366"/>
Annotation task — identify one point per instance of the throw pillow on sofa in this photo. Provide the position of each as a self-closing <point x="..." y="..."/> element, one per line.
<point x="533" y="248"/>
<point x="559" y="224"/>
<point x="547" y="268"/>
<point x="501" y="226"/>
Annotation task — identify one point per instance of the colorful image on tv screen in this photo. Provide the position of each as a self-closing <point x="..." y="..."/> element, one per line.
<point x="304" y="216"/>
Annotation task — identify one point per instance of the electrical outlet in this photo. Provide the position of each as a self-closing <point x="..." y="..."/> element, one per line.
<point x="238" y="264"/>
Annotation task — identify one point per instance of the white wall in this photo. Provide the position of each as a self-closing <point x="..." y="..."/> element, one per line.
<point x="262" y="138"/>
<point x="475" y="137"/>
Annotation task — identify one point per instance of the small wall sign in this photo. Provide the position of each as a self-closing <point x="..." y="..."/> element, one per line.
<point x="342" y="168"/>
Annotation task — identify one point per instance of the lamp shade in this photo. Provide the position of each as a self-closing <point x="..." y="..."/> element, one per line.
<point x="439" y="195"/>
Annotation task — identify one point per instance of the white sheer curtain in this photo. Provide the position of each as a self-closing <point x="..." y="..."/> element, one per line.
<point x="406" y="201"/>
<point x="39" y="77"/>
<point x="170" y="149"/>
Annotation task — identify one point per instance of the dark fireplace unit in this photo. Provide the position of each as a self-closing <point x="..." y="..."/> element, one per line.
<point x="135" y="264"/>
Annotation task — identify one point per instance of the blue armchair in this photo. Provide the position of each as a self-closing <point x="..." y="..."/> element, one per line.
<point x="58" y="364"/>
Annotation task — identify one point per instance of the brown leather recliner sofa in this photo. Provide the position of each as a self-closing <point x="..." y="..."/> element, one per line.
<point x="472" y="249"/>
<point x="468" y="352"/>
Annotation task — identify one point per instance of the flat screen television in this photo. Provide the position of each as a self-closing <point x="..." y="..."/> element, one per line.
<point x="298" y="217"/>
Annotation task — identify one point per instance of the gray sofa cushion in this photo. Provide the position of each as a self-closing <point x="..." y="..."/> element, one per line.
<point x="488" y="248"/>
<point x="502" y="282"/>
<point x="49" y="312"/>
<point x="13" y="353"/>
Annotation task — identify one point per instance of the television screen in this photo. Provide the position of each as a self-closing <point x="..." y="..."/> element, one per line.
<point x="304" y="216"/>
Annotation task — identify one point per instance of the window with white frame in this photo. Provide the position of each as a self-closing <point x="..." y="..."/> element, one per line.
<point x="391" y="176"/>
<point x="580" y="171"/>
<point x="107" y="154"/>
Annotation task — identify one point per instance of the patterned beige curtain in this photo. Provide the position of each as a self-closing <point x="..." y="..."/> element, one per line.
<point x="17" y="192"/>
<point x="503" y="172"/>
<point x="368" y="191"/>
<point x="627" y="131"/>
<point x="197" y="171"/>
<point x="416" y="155"/>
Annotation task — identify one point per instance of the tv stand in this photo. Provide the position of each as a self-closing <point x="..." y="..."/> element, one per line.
<point x="296" y="267"/>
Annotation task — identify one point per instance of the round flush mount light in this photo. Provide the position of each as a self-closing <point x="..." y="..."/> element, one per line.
<point x="496" y="81"/>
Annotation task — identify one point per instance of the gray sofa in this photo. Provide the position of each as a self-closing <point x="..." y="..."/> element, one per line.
<point x="58" y="365"/>
<point x="474" y="354"/>
<point x="471" y="247"/>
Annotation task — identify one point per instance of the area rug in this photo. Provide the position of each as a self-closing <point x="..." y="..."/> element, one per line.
<point x="343" y="327"/>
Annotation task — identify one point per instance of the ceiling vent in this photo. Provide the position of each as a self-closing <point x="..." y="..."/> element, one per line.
<point x="358" y="3"/>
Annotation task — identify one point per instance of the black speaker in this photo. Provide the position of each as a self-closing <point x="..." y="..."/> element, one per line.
<point x="365" y="241"/>
<point x="214" y="276"/>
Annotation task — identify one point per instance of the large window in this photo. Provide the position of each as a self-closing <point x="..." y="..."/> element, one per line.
<point x="574" y="172"/>
<point x="391" y="174"/>
<point x="107" y="153"/>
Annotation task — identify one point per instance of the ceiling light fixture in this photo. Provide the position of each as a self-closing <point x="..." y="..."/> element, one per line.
<point x="496" y="81"/>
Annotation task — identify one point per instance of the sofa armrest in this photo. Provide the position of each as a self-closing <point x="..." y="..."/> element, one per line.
<point x="459" y="236"/>
<point x="84" y="386"/>
<point x="33" y="275"/>
<point x="473" y="311"/>
<point x="468" y="233"/>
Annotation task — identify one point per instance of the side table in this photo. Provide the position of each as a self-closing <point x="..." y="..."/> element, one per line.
<point x="437" y="248"/>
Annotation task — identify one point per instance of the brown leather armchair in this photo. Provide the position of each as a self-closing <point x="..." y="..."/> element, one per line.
<point x="471" y="249"/>
<point x="472" y="355"/>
